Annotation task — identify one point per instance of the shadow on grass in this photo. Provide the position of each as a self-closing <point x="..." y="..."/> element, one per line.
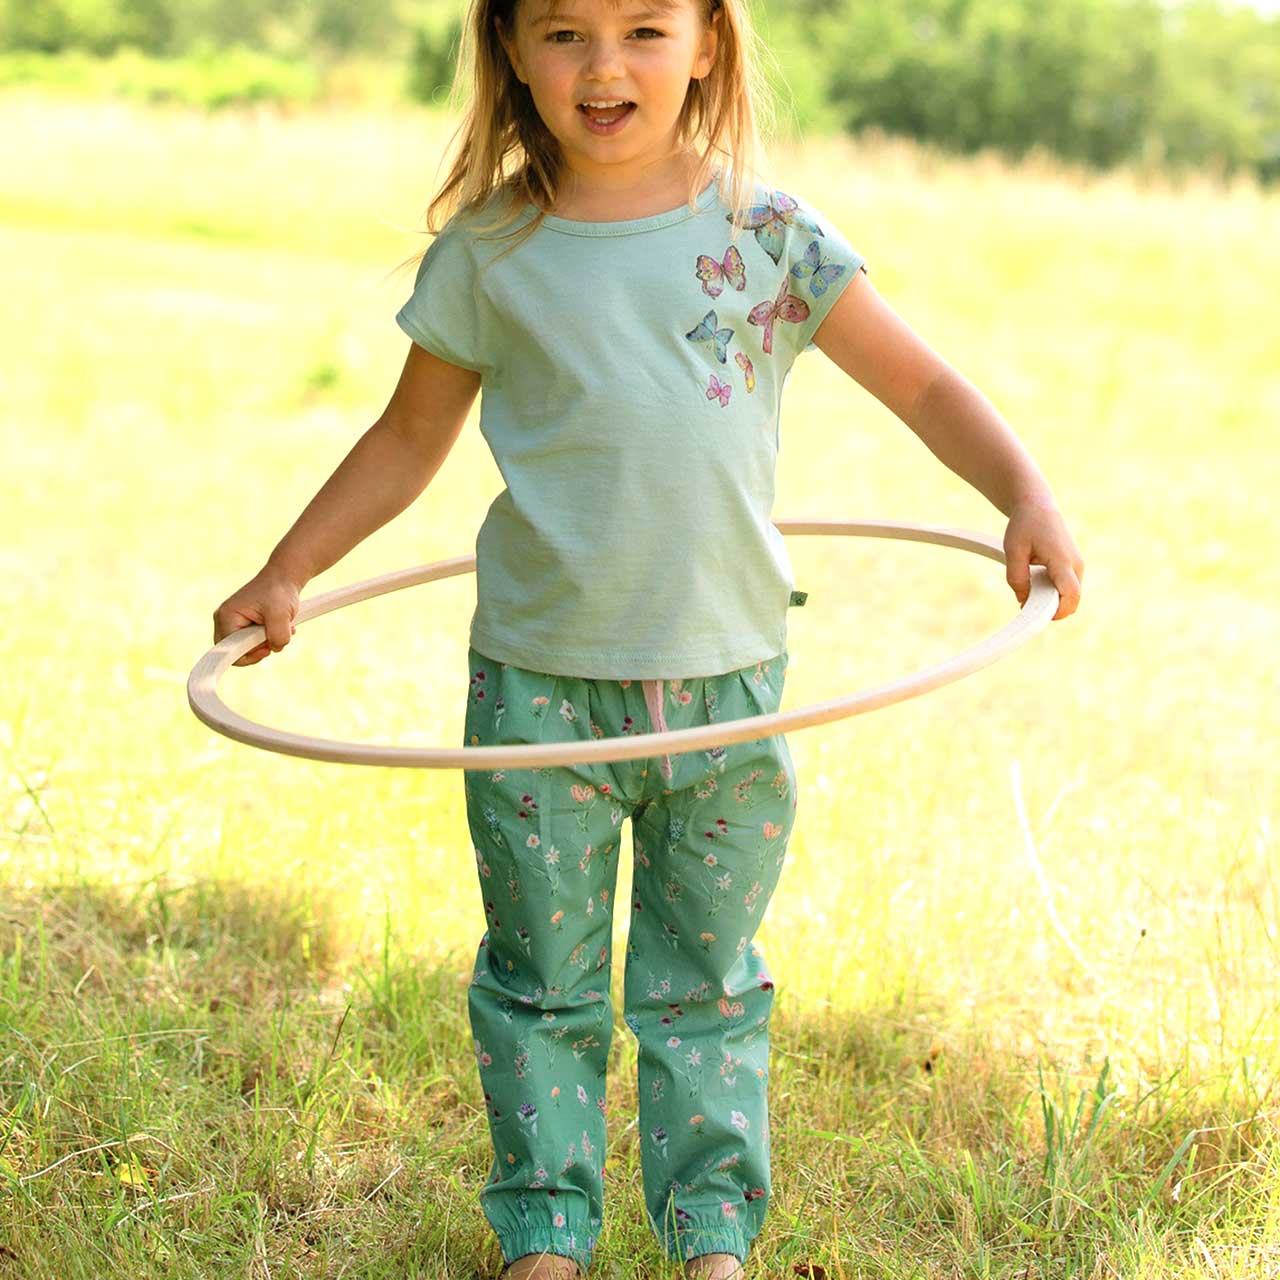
<point x="204" y="1079"/>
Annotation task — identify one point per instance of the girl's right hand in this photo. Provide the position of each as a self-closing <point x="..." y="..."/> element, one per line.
<point x="271" y="600"/>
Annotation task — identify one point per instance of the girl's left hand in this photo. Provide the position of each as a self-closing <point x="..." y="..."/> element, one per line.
<point x="1037" y="534"/>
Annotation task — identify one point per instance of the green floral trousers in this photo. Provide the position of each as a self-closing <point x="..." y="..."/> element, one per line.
<point x="709" y="831"/>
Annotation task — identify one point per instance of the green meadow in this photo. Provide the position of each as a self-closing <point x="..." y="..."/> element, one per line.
<point x="1027" y="940"/>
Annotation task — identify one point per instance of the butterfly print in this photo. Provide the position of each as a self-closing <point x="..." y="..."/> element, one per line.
<point x="785" y="306"/>
<point x="707" y="332"/>
<point x="770" y="221"/>
<point x="713" y="274"/>
<point x="748" y="372"/>
<point x="820" y="273"/>
<point x="720" y="390"/>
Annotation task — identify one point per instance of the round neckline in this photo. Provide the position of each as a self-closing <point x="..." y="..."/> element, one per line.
<point x="628" y="226"/>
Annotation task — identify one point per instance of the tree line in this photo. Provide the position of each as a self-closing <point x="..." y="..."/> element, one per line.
<point x="1183" y="83"/>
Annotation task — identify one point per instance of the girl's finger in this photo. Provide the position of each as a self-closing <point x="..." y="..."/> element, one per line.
<point x="1067" y="584"/>
<point x="254" y="655"/>
<point x="1017" y="570"/>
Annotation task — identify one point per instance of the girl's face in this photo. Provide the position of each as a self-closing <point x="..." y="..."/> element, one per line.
<point x="643" y="52"/>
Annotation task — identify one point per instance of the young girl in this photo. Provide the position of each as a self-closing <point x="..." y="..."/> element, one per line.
<point x="629" y="296"/>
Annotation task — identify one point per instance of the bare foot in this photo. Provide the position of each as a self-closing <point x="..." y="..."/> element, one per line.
<point x="714" y="1266"/>
<point x="542" y="1266"/>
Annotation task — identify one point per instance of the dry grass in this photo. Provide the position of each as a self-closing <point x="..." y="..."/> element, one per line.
<point x="247" y="970"/>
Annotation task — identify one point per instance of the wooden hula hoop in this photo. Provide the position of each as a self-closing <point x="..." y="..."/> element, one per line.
<point x="202" y="685"/>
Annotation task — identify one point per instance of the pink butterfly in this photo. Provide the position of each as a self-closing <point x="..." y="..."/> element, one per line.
<point x="785" y="306"/>
<point x="719" y="389"/>
<point x="713" y="274"/>
<point x="744" y="363"/>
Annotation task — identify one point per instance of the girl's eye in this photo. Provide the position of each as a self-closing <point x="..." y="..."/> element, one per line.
<point x="554" y="36"/>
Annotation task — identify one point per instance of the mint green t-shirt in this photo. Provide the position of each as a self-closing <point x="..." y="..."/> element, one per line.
<point x="631" y="379"/>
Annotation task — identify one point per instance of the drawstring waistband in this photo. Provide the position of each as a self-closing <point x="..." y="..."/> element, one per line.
<point x="653" y="700"/>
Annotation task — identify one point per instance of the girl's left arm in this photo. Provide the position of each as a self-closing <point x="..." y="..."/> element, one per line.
<point x="876" y="347"/>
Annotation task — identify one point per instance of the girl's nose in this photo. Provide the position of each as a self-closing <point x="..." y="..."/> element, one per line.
<point x="604" y="62"/>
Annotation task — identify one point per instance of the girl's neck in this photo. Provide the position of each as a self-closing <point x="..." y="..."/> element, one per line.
<point x="593" y="200"/>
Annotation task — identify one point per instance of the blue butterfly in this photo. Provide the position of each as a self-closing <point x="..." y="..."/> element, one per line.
<point x="707" y="332"/>
<point x="770" y="221"/>
<point x="820" y="273"/>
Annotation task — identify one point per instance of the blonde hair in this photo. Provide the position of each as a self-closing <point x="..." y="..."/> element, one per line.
<point x="507" y="155"/>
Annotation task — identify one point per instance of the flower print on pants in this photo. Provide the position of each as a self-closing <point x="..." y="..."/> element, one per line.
<point x="707" y="844"/>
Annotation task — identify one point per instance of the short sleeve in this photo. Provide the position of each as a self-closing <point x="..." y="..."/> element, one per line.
<point x="443" y="313"/>
<point x="821" y="264"/>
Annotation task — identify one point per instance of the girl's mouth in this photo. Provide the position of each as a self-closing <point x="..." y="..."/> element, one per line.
<point x="606" y="120"/>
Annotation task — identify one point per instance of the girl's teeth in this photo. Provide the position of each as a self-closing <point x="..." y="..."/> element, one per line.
<point x="606" y="115"/>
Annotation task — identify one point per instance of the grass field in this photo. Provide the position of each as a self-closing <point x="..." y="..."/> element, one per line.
<point x="1027" y="939"/>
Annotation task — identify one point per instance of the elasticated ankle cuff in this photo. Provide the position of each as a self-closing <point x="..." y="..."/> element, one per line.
<point x="696" y="1238"/>
<point x="568" y="1244"/>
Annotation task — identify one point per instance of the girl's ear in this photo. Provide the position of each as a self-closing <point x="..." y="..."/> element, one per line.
<point x="513" y="54"/>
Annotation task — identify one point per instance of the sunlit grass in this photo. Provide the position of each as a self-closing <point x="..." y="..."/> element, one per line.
<point x="199" y="325"/>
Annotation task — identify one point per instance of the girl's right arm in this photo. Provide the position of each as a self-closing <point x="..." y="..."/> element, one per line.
<point x="388" y="468"/>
